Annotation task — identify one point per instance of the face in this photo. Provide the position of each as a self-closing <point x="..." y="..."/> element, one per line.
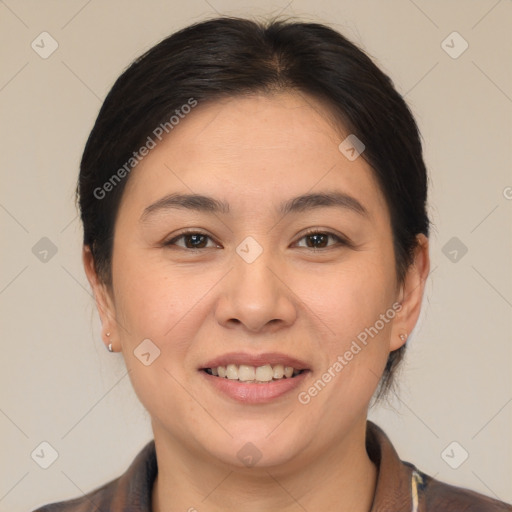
<point x="255" y="277"/>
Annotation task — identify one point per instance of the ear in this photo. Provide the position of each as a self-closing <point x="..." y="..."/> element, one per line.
<point x="411" y="294"/>
<point x="103" y="298"/>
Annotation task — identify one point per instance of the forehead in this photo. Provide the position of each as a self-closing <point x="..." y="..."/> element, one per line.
<point x="256" y="146"/>
<point x="269" y="125"/>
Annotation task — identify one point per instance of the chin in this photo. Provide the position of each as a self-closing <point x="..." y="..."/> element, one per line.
<point x="254" y="448"/>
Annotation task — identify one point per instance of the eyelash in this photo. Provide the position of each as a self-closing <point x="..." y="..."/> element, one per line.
<point x="341" y="241"/>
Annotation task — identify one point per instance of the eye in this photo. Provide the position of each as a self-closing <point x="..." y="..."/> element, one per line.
<point x="192" y="240"/>
<point x="315" y="239"/>
<point x="319" y="239"/>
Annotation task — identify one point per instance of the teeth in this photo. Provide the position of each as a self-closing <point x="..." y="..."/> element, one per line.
<point x="232" y="371"/>
<point x="246" y="373"/>
<point x="264" y="373"/>
<point x="278" y="371"/>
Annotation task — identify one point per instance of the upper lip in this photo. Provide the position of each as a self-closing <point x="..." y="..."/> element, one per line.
<point x="271" y="358"/>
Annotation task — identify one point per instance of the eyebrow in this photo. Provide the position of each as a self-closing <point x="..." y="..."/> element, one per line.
<point x="305" y="202"/>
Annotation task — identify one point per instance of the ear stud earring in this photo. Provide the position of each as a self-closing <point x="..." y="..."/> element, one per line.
<point x="403" y="337"/>
<point x="110" y="349"/>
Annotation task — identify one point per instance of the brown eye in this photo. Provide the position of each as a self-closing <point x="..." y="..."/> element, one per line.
<point x="197" y="241"/>
<point x="192" y="240"/>
<point x="320" y="240"/>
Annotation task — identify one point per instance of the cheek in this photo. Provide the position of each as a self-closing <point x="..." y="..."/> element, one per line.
<point x="353" y="295"/>
<point x="152" y="300"/>
<point x="372" y="309"/>
<point x="351" y="300"/>
<point x="153" y="303"/>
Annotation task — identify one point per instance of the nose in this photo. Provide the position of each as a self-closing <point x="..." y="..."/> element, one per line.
<point x="256" y="296"/>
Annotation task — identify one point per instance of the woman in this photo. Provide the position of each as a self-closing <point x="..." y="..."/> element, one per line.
<point x="255" y="233"/>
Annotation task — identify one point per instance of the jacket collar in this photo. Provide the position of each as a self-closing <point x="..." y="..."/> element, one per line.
<point x="394" y="479"/>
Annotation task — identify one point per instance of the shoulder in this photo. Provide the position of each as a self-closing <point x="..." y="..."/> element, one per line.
<point x="443" y="497"/>
<point x="130" y="491"/>
<point x="401" y="486"/>
<point x="99" y="499"/>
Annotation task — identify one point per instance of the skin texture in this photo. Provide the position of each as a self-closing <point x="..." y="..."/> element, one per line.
<point x="255" y="152"/>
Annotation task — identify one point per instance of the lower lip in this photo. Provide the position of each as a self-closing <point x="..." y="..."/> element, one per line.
<point x="255" y="393"/>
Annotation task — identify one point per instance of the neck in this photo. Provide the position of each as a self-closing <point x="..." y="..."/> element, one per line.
<point x="342" y="478"/>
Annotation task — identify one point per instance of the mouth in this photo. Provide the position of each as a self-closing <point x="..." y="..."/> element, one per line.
<point x="255" y="378"/>
<point x="249" y="374"/>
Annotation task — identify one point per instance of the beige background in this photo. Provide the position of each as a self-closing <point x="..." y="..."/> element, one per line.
<point x="60" y="385"/>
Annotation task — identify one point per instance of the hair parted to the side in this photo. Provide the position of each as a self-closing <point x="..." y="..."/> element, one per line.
<point x="226" y="57"/>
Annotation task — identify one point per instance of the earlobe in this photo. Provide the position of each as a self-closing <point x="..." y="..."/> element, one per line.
<point x="101" y="296"/>
<point x="412" y="294"/>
